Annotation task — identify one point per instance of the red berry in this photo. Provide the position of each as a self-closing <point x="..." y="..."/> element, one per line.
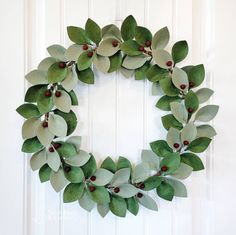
<point x="176" y="145"/>
<point x="190" y="110"/>
<point x="182" y="86"/>
<point x="51" y="149"/>
<point x="115" y="43"/>
<point x="116" y="190"/>
<point x="62" y="65"/>
<point x="186" y="142"/>
<point x="67" y="169"/>
<point x="57" y="145"/>
<point x="142" y="186"/>
<point x="148" y="43"/>
<point x="45" y="124"/>
<point x="92" y="188"/>
<point x="90" y="54"/>
<point x="169" y="63"/>
<point x="47" y="93"/>
<point x="139" y="195"/>
<point x="164" y="168"/>
<point x="191" y="84"/>
<point x="58" y="94"/>
<point x="141" y="48"/>
<point x="85" y="47"/>
<point x="93" y="178"/>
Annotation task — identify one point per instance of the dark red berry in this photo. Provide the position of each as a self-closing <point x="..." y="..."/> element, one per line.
<point x="92" y="188"/>
<point x="141" y="48"/>
<point x="62" y="65"/>
<point x="164" y="168"/>
<point x="45" y="124"/>
<point x="85" y="47"/>
<point x="93" y="178"/>
<point x="139" y="195"/>
<point x="57" y="145"/>
<point x="169" y="63"/>
<point x="148" y="43"/>
<point x="182" y="86"/>
<point x="116" y="190"/>
<point x="67" y="169"/>
<point x="186" y="142"/>
<point x="142" y="186"/>
<point x="191" y="84"/>
<point x="48" y="93"/>
<point x="58" y="94"/>
<point x="190" y="110"/>
<point x="90" y="54"/>
<point x="115" y="43"/>
<point x="51" y="149"/>
<point x="176" y="145"/>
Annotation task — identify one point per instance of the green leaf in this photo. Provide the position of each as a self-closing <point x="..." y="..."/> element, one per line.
<point x="171" y="161"/>
<point x="30" y="127"/>
<point x="86" y="202"/>
<point x="28" y="111"/>
<point x="152" y="182"/>
<point x="44" y="173"/>
<point x="74" y="175"/>
<point x="173" y="137"/>
<point x="66" y="150"/>
<point x="109" y="164"/>
<point x="161" y="38"/>
<point x="111" y="31"/>
<point x="132" y="205"/>
<point x="79" y="159"/>
<point x="32" y="93"/>
<point x="155" y="73"/>
<point x="150" y="158"/>
<point x="140" y="172"/>
<point x="73" y="97"/>
<point x="180" y="78"/>
<point x="63" y="102"/>
<point x="56" y="74"/>
<point x="179" y="188"/>
<point x="73" y="52"/>
<point x="31" y="145"/>
<point x="120" y="177"/>
<point x="127" y="73"/>
<point x="164" y="102"/>
<point x="179" y="51"/>
<point x="134" y="62"/>
<point x="45" y="64"/>
<point x="189" y="132"/>
<point x="102" y="63"/>
<point x="100" y="195"/>
<point x="118" y="206"/>
<point x="77" y="35"/>
<point x="53" y="160"/>
<point x="103" y="209"/>
<point x="161" y="57"/>
<point x="90" y="167"/>
<point x="169" y="121"/>
<point x="73" y="192"/>
<point x="106" y="47"/>
<point x="57" y="125"/>
<point x="84" y="61"/>
<point x="204" y="94"/>
<point x="148" y="202"/>
<point x="199" y="145"/>
<point x="58" y="180"/>
<point x="44" y="135"/>
<point x="103" y="177"/>
<point x="140" y="73"/>
<point x="192" y="160"/>
<point x="196" y="75"/>
<point x="165" y="191"/>
<point x="57" y="51"/>
<point x="191" y="101"/>
<point x="70" y="119"/>
<point x="127" y="191"/>
<point x="130" y="48"/>
<point x="86" y="76"/>
<point x="44" y="103"/>
<point x="128" y="28"/>
<point x="93" y="31"/>
<point x="36" y="77"/>
<point x="123" y="163"/>
<point x="207" y="113"/>
<point x="115" y="62"/>
<point x="168" y="87"/>
<point x="142" y="35"/>
<point x="206" y="131"/>
<point x="183" y="172"/>
<point x="38" y="160"/>
<point x="71" y="80"/>
<point x="161" y="148"/>
<point x="76" y="141"/>
<point x="179" y="112"/>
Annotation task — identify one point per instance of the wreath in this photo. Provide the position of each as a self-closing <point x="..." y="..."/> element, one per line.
<point x="116" y="186"/>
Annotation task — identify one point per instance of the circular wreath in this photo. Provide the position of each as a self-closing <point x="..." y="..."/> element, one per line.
<point x="116" y="186"/>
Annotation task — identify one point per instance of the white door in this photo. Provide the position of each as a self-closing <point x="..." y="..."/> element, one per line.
<point x="117" y="116"/>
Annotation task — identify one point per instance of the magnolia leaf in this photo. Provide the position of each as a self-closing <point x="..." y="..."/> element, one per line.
<point x="199" y="145"/>
<point x="57" y="51"/>
<point x="120" y="177"/>
<point x="103" y="177"/>
<point x="196" y="75"/>
<point x="90" y="167"/>
<point x="123" y="163"/>
<point x="38" y="160"/>
<point x="36" y="77"/>
<point x="206" y="131"/>
<point x="130" y="48"/>
<point x="46" y="63"/>
<point x="44" y="135"/>
<point x="73" y="52"/>
<point x="171" y="161"/>
<point x="148" y="202"/>
<point x="111" y="31"/>
<point x="155" y="73"/>
<point x="58" y="180"/>
<point x="168" y="87"/>
<point x="192" y="160"/>
<point x="140" y="73"/>
<point x="189" y="133"/>
<point x="109" y="164"/>
<point x="173" y="138"/>
<point x="165" y="191"/>
<point x="107" y="48"/>
<point x="134" y="62"/>
<point x="73" y="192"/>
<point x="57" y="125"/>
<point x="183" y="172"/>
<point x="71" y="80"/>
<point x="79" y="159"/>
<point x="85" y="60"/>
<point x="32" y="93"/>
<point x="44" y="173"/>
<point x="128" y="28"/>
<point x="151" y="183"/>
<point x="66" y="150"/>
<point x="44" y="103"/>
<point x="207" y="113"/>
<point x="132" y="205"/>
<point x="86" y="202"/>
<point x="76" y="141"/>
<point x="179" y="112"/>
<point x="100" y="195"/>
<point x="103" y="209"/>
<point x="31" y="145"/>
<point x="140" y="172"/>
<point x="63" y="102"/>
<point x="53" y="160"/>
<point x="150" y="158"/>
<point x="179" y="188"/>
<point x="191" y="102"/>
<point x="93" y="31"/>
<point x="161" y="38"/>
<point x="156" y="89"/>
<point x="127" y="191"/>
<point x="30" y="127"/>
<point x="115" y="62"/>
<point x="204" y="94"/>
<point x="102" y="63"/>
<point x="143" y="36"/>
<point x="86" y="76"/>
<point x="126" y="72"/>
<point x="77" y="35"/>
<point x="164" y="102"/>
<point x="161" y="148"/>
<point x="179" y="51"/>
<point x="180" y="79"/>
<point x="74" y="175"/>
<point x="161" y="57"/>
<point x="118" y="206"/>
<point x="56" y="73"/>
<point x="169" y="121"/>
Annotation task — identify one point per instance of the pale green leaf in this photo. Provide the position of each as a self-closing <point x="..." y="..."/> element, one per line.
<point x="78" y="159"/>
<point x="179" y="188"/>
<point x="103" y="209"/>
<point x="179" y="112"/>
<point x="73" y="52"/>
<point x="205" y="131"/>
<point x="103" y="177"/>
<point x="57" y="51"/>
<point x="63" y="102"/>
<point x="58" y="180"/>
<point x="134" y="62"/>
<point x="161" y="57"/>
<point x="180" y="78"/>
<point x="36" y="77"/>
<point x="44" y="135"/>
<point x="71" y="80"/>
<point x="57" y="125"/>
<point x="106" y="47"/>
<point x="183" y="172"/>
<point x="53" y="160"/>
<point x="204" y="94"/>
<point x="148" y="202"/>
<point x="161" y="38"/>
<point x="46" y="63"/>
<point x="127" y="72"/>
<point x="140" y="172"/>
<point x="189" y="132"/>
<point x="120" y="177"/>
<point x="173" y="137"/>
<point x="38" y="160"/>
<point x="207" y="113"/>
<point x="111" y="31"/>
<point x="151" y="158"/>
<point x="127" y="191"/>
<point x="86" y="202"/>
<point x="76" y="141"/>
<point x="102" y="63"/>
<point x="30" y="127"/>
